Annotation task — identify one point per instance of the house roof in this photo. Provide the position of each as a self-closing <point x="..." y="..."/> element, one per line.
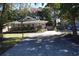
<point x="29" y="20"/>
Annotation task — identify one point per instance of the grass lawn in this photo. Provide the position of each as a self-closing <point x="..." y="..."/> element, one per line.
<point x="12" y="38"/>
<point x="10" y="41"/>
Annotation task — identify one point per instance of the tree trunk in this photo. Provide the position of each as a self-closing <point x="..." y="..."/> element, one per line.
<point x="0" y="29"/>
<point x="1" y="33"/>
<point x="74" y="29"/>
<point x="1" y="19"/>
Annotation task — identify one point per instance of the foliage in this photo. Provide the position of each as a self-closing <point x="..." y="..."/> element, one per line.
<point x="10" y="13"/>
<point x="45" y="14"/>
<point x="3" y="17"/>
<point x="70" y="11"/>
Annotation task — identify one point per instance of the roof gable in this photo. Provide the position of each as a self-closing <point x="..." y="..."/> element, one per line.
<point x="28" y="18"/>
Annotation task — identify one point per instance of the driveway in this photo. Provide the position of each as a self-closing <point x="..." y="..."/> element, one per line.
<point x="46" y="33"/>
<point x="47" y="45"/>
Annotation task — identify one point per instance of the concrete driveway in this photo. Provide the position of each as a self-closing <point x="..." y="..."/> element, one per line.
<point x="46" y="33"/>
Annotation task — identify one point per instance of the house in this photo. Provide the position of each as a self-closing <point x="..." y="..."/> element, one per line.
<point x="27" y="24"/>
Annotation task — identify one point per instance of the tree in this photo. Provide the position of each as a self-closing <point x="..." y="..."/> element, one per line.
<point x="70" y="11"/>
<point x="44" y="14"/>
<point x="54" y="8"/>
<point x="3" y="17"/>
<point x="9" y="12"/>
<point x="22" y="14"/>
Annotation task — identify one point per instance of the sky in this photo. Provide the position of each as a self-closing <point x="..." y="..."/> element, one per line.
<point x="38" y="5"/>
<point x="32" y="5"/>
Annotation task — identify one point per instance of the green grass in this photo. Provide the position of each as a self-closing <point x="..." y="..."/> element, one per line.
<point x="0" y="35"/>
<point x="12" y="35"/>
<point x="11" y="40"/>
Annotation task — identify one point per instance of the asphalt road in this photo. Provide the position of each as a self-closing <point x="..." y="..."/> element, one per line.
<point x="55" y="45"/>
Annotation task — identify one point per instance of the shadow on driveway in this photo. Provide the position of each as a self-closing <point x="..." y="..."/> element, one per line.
<point x="57" y="45"/>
